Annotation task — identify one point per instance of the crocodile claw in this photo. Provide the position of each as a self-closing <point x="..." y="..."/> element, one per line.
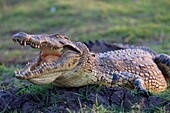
<point x="144" y="92"/>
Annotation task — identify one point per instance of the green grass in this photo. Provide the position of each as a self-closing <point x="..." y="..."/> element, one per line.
<point x="138" y="22"/>
<point x="145" y="19"/>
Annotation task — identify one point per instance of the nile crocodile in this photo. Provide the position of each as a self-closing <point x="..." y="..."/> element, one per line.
<point x="71" y="64"/>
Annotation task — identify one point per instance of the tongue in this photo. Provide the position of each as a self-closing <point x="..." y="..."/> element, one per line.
<point x="50" y="58"/>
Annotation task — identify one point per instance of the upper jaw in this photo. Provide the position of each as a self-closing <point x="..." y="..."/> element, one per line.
<point x="35" y="41"/>
<point x="53" y="41"/>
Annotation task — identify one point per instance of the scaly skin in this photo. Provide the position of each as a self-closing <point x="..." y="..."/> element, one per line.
<point x="162" y="60"/>
<point x="71" y="64"/>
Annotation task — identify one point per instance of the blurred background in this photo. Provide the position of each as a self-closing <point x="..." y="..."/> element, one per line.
<point x="137" y="22"/>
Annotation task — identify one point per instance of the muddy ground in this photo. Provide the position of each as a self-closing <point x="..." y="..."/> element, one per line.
<point x="71" y="100"/>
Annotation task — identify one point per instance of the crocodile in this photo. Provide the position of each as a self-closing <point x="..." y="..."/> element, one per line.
<point x="71" y="64"/>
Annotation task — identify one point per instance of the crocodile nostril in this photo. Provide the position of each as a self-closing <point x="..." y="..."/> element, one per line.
<point x="20" y="35"/>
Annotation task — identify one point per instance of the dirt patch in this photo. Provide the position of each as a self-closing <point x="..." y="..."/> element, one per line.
<point x="75" y="99"/>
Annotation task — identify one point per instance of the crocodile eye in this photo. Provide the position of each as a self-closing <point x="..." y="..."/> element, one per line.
<point x="57" y="35"/>
<point x="93" y="55"/>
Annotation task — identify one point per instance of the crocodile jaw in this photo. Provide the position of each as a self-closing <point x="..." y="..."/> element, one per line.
<point x="45" y="79"/>
<point x="43" y="69"/>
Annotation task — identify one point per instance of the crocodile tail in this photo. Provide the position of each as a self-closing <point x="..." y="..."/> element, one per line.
<point x="163" y="62"/>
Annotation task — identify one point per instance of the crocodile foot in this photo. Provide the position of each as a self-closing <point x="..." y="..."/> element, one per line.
<point x="138" y="83"/>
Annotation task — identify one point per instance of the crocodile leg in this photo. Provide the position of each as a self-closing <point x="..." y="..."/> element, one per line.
<point x="138" y="83"/>
<point x="126" y="79"/>
<point x="163" y="62"/>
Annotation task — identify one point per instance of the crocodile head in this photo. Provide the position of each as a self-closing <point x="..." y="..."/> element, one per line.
<point x="57" y="55"/>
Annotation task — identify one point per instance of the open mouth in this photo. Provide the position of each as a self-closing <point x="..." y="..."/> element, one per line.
<point x="48" y="56"/>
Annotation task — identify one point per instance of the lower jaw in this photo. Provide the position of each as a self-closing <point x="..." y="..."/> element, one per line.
<point x="44" y="79"/>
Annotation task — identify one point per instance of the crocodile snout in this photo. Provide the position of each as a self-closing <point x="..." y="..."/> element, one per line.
<point x="20" y="35"/>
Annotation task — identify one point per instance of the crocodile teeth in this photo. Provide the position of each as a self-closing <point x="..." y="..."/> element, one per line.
<point x="24" y="42"/>
<point x="17" y="72"/>
<point x="44" y="64"/>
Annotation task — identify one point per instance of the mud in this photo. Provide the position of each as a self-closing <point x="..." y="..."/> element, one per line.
<point x="76" y="99"/>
